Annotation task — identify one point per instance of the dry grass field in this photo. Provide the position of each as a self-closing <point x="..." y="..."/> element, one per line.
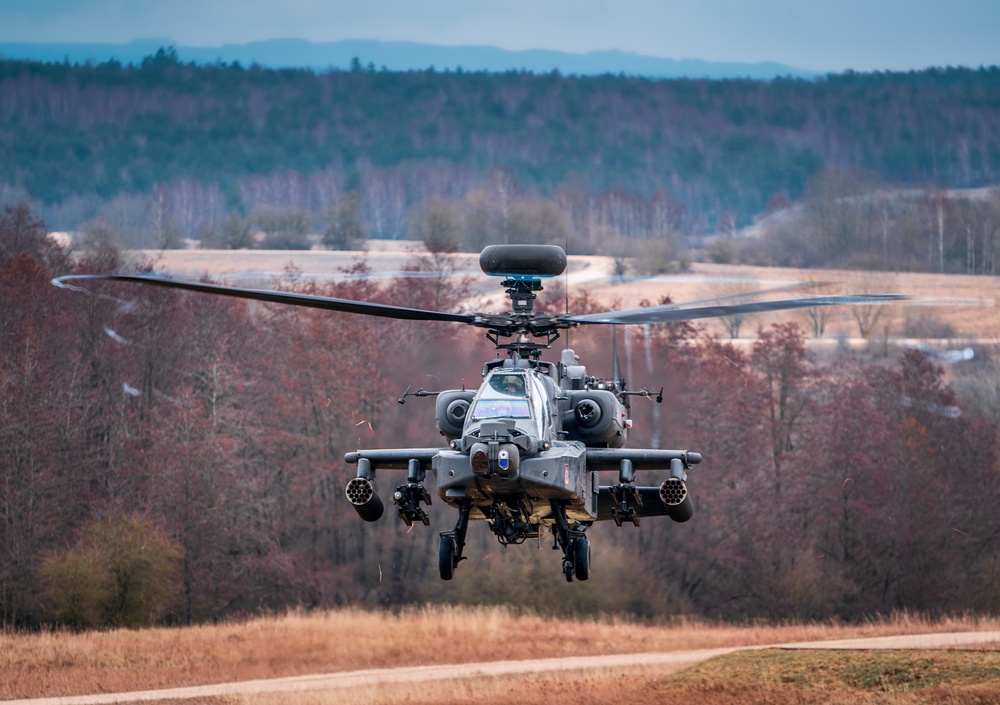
<point x="769" y="677"/>
<point x="299" y="643"/>
<point x="704" y="280"/>
<point x="840" y="677"/>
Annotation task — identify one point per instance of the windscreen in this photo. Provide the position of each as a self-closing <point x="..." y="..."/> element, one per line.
<point x="504" y="396"/>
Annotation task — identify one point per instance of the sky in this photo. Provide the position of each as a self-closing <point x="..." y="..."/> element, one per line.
<point x="827" y="35"/>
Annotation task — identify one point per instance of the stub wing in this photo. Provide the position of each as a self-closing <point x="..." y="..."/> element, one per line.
<point x="407" y="498"/>
<point x="641" y="459"/>
<point x="626" y="502"/>
<point x="394" y="458"/>
<point x="650" y="504"/>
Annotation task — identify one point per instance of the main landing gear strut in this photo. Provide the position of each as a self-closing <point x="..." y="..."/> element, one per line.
<point x="574" y="544"/>
<point x="568" y="537"/>
<point x="453" y="543"/>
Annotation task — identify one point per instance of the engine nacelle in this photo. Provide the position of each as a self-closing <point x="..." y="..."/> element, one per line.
<point x="596" y="417"/>
<point x="361" y="493"/>
<point x="451" y="410"/>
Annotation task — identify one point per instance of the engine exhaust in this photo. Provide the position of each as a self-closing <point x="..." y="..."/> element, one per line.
<point x="674" y="495"/>
<point x="361" y="493"/>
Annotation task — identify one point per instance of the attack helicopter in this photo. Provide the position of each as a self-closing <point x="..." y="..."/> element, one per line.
<point x="525" y="450"/>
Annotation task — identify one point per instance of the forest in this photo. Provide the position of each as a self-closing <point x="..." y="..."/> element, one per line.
<point x="170" y="458"/>
<point x="163" y="152"/>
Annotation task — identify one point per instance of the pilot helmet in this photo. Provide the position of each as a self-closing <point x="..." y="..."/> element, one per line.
<point x="512" y="384"/>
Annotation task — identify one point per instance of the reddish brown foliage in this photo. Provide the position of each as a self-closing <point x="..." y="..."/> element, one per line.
<point x="827" y="490"/>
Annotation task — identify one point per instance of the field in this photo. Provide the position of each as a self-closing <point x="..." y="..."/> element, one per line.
<point x="298" y="643"/>
<point x="950" y="295"/>
<point x="846" y="677"/>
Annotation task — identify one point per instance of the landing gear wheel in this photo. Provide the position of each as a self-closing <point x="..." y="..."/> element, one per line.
<point x="568" y="571"/>
<point x="581" y="558"/>
<point x="446" y="557"/>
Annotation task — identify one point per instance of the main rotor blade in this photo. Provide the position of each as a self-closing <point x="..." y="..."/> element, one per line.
<point x="280" y="297"/>
<point x="668" y="314"/>
<point x="739" y="296"/>
<point x="728" y="298"/>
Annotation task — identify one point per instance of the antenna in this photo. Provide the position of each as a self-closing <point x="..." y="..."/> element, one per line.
<point x="566" y="288"/>
<point x="615" y="370"/>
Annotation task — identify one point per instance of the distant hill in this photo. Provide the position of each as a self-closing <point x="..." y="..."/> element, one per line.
<point x="405" y="56"/>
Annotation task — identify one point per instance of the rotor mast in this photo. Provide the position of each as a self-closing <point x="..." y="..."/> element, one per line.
<point x="523" y="267"/>
<point x="522" y="324"/>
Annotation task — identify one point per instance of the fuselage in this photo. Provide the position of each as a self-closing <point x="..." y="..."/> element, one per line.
<point x="523" y="440"/>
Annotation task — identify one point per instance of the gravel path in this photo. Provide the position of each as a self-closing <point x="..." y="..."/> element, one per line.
<point x="668" y="661"/>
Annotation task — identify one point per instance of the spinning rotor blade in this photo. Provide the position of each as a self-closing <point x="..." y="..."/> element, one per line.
<point x="503" y="324"/>
<point x="280" y="297"/>
<point x="672" y="314"/>
<point x="740" y="296"/>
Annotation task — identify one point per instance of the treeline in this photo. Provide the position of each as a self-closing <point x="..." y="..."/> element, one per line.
<point x="847" y="219"/>
<point x="170" y="145"/>
<point x="174" y="457"/>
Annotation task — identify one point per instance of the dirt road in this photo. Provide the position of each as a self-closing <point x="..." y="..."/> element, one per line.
<point x="665" y="662"/>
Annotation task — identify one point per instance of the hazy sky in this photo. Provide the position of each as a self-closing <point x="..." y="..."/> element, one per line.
<point x="827" y="35"/>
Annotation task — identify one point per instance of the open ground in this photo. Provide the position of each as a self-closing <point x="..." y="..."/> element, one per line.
<point x="967" y="302"/>
<point x="504" y="652"/>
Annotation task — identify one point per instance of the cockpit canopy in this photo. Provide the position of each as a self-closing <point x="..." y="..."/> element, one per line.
<point x="503" y="396"/>
<point x="514" y="395"/>
<point x="508" y="383"/>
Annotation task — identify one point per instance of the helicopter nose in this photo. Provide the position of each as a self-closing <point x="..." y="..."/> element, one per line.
<point x="502" y="459"/>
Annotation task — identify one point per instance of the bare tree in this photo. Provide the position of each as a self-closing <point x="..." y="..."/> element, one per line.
<point x="284" y="228"/>
<point x="869" y="315"/>
<point x="733" y="288"/>
<point x="385" y="202"/>
<point x="438" y="224"/>
<point x="842" y="214"/>
<point x="819" y="316"/>
<point x="479" y="220"/>
<point x="346" y="229"/>
<point x="937" y="203"/>
<point x="504" y="187"/>
<point x="536" y="220"/>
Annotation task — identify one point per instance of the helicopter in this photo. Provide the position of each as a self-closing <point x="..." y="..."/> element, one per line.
<point x="524" y="451"/>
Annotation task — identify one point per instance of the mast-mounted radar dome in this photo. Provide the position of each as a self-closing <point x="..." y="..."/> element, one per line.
<point x="523" y="261"/>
